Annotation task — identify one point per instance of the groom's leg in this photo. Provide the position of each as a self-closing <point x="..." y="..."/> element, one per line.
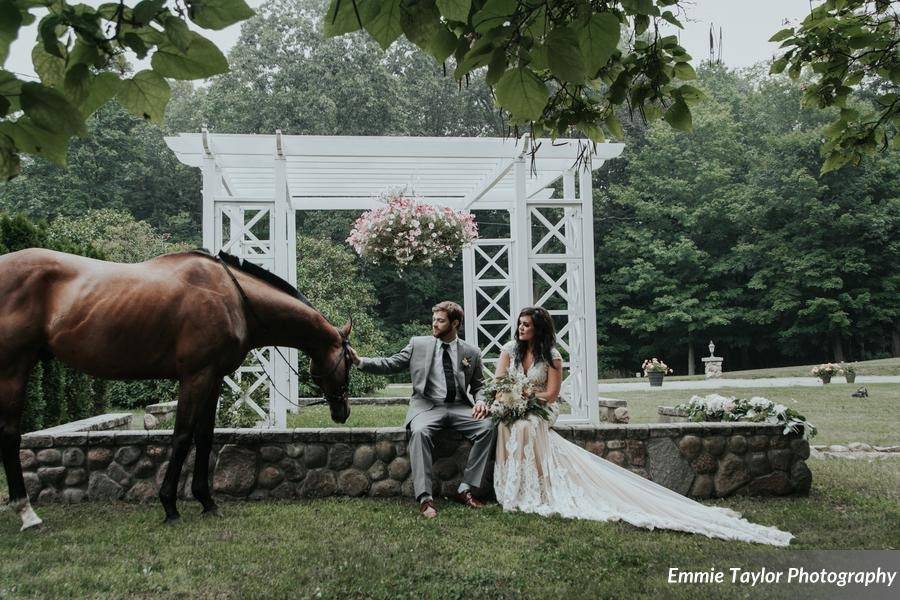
<point x="482" y="434"/>
<point x="422" y="429"/>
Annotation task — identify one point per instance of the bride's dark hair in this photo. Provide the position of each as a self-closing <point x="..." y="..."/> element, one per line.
<point x="544" y="335"/>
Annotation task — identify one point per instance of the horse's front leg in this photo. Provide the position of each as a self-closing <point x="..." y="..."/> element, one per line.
<point x="12" y="403"/>
<point x="203" y="439"/>
<point x="194" y="391"/>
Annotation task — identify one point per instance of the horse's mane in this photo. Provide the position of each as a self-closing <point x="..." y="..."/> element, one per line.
<point x="256" y="271"/>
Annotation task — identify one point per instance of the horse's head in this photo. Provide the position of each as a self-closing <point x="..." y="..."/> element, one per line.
<point x="331" y="372"/>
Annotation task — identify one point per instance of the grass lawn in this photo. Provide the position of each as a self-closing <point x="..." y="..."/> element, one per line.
<point x="337" y="548"/>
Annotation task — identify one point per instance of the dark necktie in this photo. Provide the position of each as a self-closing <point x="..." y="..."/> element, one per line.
<point x="448" y="374"/>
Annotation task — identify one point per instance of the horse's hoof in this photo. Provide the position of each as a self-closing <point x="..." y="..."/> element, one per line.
<point x="32" y="525"/>
<point x="214" y="513"/>
<point x="172" y="520"/>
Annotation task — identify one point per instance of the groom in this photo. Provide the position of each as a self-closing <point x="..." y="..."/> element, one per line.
<point x="445" y="371"/>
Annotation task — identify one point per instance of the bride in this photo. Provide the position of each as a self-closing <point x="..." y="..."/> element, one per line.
<point x="538" y="471"/>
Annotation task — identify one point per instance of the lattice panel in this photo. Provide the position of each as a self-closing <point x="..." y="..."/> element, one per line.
<point x="492" y="283"/>
<point x="245" y="230"/>
<point x="551" y="231"/>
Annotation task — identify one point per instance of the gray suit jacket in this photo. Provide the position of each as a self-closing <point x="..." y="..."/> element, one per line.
<point x="417" y="357"/>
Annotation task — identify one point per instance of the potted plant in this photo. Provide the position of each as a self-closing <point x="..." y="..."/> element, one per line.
<point x="655" y="369"/>
<point x="826" y="371"/>
<point x="849" y="372"/>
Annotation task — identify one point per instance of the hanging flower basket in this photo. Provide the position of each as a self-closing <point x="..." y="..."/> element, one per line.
<point x="406" y="232"/>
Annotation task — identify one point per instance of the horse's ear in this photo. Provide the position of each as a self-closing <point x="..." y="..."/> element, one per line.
<point x="348" y="326"/>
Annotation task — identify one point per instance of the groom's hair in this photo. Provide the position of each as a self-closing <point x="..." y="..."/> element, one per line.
<point x="454" y="311"/>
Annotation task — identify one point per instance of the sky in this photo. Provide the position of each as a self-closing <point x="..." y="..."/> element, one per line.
<point x="746" y="27"/>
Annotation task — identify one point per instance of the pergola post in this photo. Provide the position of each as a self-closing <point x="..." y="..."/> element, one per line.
<point x="589" y="299"/>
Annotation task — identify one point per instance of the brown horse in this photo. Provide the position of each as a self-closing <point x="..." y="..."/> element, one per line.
<point x="185" y="316"/>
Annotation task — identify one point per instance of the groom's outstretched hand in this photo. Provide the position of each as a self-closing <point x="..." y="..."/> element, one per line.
<point x="479" y="411"/>
<point x="353" y="355"/>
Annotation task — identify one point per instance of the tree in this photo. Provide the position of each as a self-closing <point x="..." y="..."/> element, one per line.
<point x="80" y="58"/>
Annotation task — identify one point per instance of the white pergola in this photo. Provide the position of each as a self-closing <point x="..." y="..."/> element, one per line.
<point x="252" y="184"/>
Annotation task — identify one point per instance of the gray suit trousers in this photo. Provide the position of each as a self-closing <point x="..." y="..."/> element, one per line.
<point x="457" y="417"/>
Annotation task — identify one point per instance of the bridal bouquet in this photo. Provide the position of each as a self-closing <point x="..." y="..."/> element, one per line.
<point x="761" y="410"/>
<point x="406" y="232"/>
<point x="509" y="399"/>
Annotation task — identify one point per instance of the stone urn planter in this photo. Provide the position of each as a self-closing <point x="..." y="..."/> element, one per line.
<point x="851" y="377"/>
<point x="825" y="379"/>
<point x="656" y="378"/>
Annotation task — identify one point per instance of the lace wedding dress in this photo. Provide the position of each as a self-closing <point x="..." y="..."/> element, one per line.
<point x="539" y="471"/>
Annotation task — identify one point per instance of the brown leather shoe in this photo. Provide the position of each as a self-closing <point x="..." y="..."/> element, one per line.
<point x="467" y="499"/>
<point x="427" y="509"/>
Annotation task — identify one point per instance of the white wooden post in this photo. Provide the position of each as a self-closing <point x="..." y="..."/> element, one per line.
<point x="210" y="191"/>
<point x="589" y="301"/>
<point x="278" y="405"/>
<point x="520" y="229"/>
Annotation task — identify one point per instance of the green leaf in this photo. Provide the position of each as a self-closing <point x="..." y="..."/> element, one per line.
<point x="668" y="16"/>
<point x="614" y="126"/>
<point x="455" y="10"/>
<point x="493" y="14"/>
<point x="442" y="44"/>
<point x="103" y="88"/>
<point x="678" y="115"/>
<point x="342" y="17"/>
<point x="689" y="94"/>
<point x="84" y="53"/>
<point x="50" y="110"/>
<point x="684" y="71"/>
<point x="177" y="32"/>
<point x="219" y="14"/>
<point x="136" y="43"/>
<point x="51" y="69"/>
<point x="782" y="35"/>
<point x="10" y="21"/>
<point x="385" y="25"/>
<point x="31" y="139"/>
<point x="497" y="66"/>
<point x="10" y="85"/>
<point x="778" y="66"/>
<point x="145" y="10"/>
<point x="564" y="55"/>
<point x="539" y="59"/>
<point x="835" y="160"/>
<point x="145" y="95"/>
<point x="598" y="39"/>
<point x="202" y="59"/>
<point x="77" y="83"/>
<point x="522" y="93"/>
<point x="420" y="22"/>
<point x="641" y="23"/>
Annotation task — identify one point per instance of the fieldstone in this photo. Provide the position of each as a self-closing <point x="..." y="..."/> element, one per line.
<point x="117" y="473"/>
<point x="28" y="459"/>
<point x="775" y="483"/>
<point x="352" y="483"/>
<point x="363" y="457"/>
<point x="48" y="495"/>
<point x="127" y="455"/>
<point x="445" y="468"/>
<point x="408" y="488"/>
<point x="73" y="457"/>
<point x="157" y="453"/>
<point x="315" y="456"/>
<point x="271" y="453"/>
<point x="49" y="457"/>
<point x="235" y="471"/>
<point x="318" y="483"/>
<point x="667" y="466"/>
<point x="98" y="458"/>
<point x="400" y="448"/>
<point x="73" y="496"/>
<point x="385" y="451"/>
<point x="32" y="485"/>
<point x="161" y="473"/>
<point x="449" y="488"/>
<point x="621" y="415"/>
<point x="51" y="475"/>
<point x="854" y="447"/>
<point x="731" y="474"/>
<point x="284" y="490"/>
<point x="616" y="457"/>
<point x="377" y="471"/>
<point x="801" y="477"/>
<point x="758" y="463"/>
<point x="150" y="421"/>
<point x="838" y="448"/>
<point x="636" y="453"/>
<point x="75" y="477"/>
<point x="704" y="463"/>
<point x="294" y="450"/>
<point x="142" y="491"/>
<point x="399" y="468"/>
<point x="144" y="469"/>
<point x="340" y="457"/>
<point x="780" y="459"/>
<point x="703" y="486"/>
<point x="690" y="446"/>
<point x="887" y="448"/>
<point x="102" y="487"/>
<point x="258" y="494"/>
<point x="779" y="441"/>
<point x="615" y="445"/>
<point x="293" y="470"/>
<point x="385" y="489"/>
<point x="715" y="445"/>
<point x="737" y="444"/>
<point x="270" y="477"/>
<point x="595" y="447"/>
<point x="759" y="443"/>
<point x="800" y="448"/>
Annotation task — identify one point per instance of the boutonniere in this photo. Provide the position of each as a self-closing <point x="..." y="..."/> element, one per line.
<point x="465" y="361"/>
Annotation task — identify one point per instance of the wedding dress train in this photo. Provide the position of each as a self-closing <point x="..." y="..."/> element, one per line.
<point x="539" y="471"/>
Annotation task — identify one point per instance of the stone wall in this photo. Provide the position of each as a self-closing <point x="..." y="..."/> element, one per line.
<point x="697" y="459"/>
